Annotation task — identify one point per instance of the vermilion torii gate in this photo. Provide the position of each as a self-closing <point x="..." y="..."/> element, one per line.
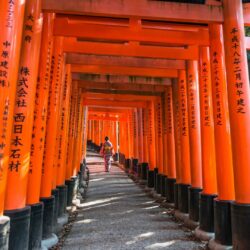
<point x="167" y="81"/>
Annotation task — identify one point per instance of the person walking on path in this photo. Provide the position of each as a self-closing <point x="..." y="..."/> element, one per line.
<point x="107" y="151"/>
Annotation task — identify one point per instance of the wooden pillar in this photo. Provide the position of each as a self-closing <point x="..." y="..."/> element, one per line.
<point x="239" y="113"/>
<point x="164" y="133"/>
<point x="11" y="26"/>
<point x="23" y="114"/>
<point x="58" y="148"/>
<point x="208" y="147"/>
<point x="52" y="119"/>
<point x="177" y="134"/>
<point x="151" y="141"/>
<point x="85" y="132"/>
<point x="63" y="128"/>
<point x="159" y="146"/>
<point x="185" y="148"/>
<point x="20" y="150"/>
<point x="76" y="163"/>
<point x="171" y="159"/>
<point x="70" y="146"/>
<point x="195" y="139"/>
<point x="136" y="134"/>
<point x="223" y="147"/>
<point x="140" y="135"/>
<point x="131" y="134"/>
<point x="145" y="134"/>
<point x="89" y="130"/>
<point x="40" y="111"/>
<point x="151" y="144"/>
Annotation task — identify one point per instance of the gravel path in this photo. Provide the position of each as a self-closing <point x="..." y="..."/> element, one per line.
<point x="119" y="215"/>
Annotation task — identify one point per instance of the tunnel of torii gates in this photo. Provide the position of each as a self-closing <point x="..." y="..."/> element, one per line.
<point x="167" y="82"/>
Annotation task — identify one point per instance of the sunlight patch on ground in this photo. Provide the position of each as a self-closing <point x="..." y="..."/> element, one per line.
<point x="148" y="208"/>
<point x="97" y="202"/>
<point x="85" y="221"/>
<point x="122" y="213"/>
<point x="140" y="237"/>
<point x="97" y="206"/>
<point x="148" y="202"/>
<point x="98" y="179"/>
<point x="161" y="245"/>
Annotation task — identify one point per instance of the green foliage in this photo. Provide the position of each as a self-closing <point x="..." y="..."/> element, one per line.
<point x="247" y="31"/>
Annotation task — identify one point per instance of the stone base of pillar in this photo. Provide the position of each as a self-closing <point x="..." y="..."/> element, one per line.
<point x="183" y="197"/>
<point x="169" y="186"/>
<point x="203" y="235"/>
<point x="180" y="216"/>
<point x="157" y="196"/>
<point x="19" y="228"/>
<point x="193" y="200"/>
<point x="36" y="225"/>
<point x="184" y="217"/>
<point x="166" y="204"/>
<point x="63" y="189"/>
<point x="163" y="185"/>
<point x="144" y="170"/>
<point x="55" y="193"/>
<point x="48" y="216"/>
<point x="191" y="224"/>
<point x="176" y="188"/>
<point x="139" y="167"/>
<point x="4" y="232"/>
<point x="241" y="225"/>
<point x="155" y="177"/>
<point x="222" y="222"/>
<point x="214" y="245"/>
<point x="150" y="178"/>
<point x="49" y="242"/>
<point x="158" y="183"/>
<point x="135" y="166"/>
<point x="61" y="221"/>
<point x="142" y="182"/>
<point x="206" y="217"/>
<point x="76" y="181"/>
<point x="148" y="190"/>
<point x="70" y="185"/>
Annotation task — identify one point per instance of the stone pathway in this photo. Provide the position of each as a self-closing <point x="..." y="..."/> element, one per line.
<point x="119" y="215"/>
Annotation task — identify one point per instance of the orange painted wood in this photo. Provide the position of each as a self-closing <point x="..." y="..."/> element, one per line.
<point x="58" y="146"/>
<point x="223" y="147"/>
<point x="52" y="119"/>
<point x="87" y="86"/>
<point x="11" y="25"/>
<point x="74" y="58"/>
<point x="184" y="128"/>
<point x="128" y="49"/>
<point x="20" y="150"/>
<point x="164" y="133"/>
<point x="119" y="70"/>
<point x="159" y="136"/>
<point x="171" y="159"/>
<point x="111" y="96"/>
<point x="40" y="112"/>
<point x="151" y="136"/>
<point x="105" y="103"/>
<point x="145" y="131"/>
<point x="194" y="123"/>
<point x="207" y="125"/>
<point x="63" y="27"/>
<point x="70" y="150"/>
<point x="63" y="128"/>
<point x="238" y="97"/>
<point x="177" y="131"/>
<point x="181" y="12"/>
